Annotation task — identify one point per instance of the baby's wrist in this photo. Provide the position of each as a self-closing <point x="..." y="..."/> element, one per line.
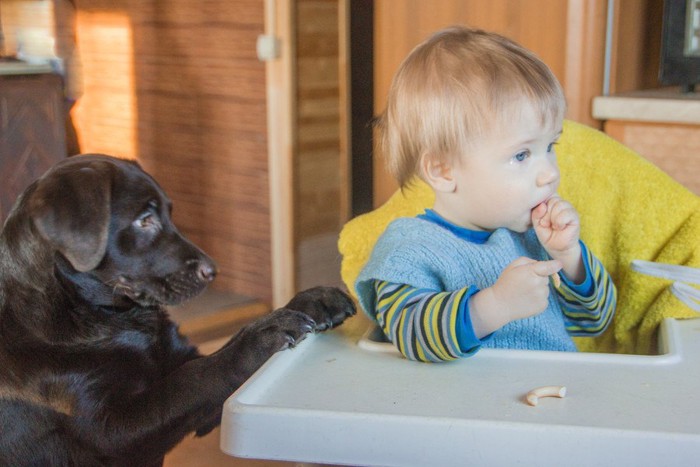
<point x="568" y="255"/>
<point x="486" y="316"/>
<point x="572" y="264"/>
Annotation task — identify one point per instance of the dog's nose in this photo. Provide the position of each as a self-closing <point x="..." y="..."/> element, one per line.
<point x="206" y="271"/>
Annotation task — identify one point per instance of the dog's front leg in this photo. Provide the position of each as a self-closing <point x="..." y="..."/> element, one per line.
<point x="191" y="396"/>
<point x="321" y="308"/>
<point x="327" y="307"/>
<point x="248" y="350"/>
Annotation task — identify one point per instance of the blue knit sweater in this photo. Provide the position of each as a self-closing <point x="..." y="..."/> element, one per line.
<point x="423" y="254"/>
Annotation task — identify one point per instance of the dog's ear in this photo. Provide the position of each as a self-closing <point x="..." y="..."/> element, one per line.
<point x="71" y="209"/>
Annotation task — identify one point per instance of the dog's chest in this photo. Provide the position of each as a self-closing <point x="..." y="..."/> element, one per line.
<point x="80" y="379"/>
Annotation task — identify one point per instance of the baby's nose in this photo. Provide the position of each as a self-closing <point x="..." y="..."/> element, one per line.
<point x="548" y="174"/>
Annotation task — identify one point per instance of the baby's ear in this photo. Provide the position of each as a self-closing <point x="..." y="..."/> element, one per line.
<point x="438" y="173"/>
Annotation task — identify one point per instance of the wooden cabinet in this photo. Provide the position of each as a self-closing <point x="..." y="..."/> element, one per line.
<point x="32" y="131"/>
<point x="661" y="125"/>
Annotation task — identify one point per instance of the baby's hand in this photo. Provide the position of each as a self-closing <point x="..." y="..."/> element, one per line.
<point x="523" y="287"/>
<point x="521" y="291"/>
<point x="557" y="226"/>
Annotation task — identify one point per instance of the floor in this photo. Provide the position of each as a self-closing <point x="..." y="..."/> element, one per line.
<point x="205" y="452"/>
<point x="213" y="315"/>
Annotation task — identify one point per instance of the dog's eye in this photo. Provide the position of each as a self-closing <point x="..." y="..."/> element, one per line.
<point x="147" y="221"/>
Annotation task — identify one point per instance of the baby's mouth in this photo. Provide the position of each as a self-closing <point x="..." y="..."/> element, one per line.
<point x="544" y="200"/>
<point x="539" y="204"/>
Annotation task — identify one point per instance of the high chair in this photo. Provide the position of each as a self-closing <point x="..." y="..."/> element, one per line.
<point x="629" y="209"/>
<point x="346" y="398"/>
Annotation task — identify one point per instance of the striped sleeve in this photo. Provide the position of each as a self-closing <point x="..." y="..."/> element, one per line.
<point x="423" y="324"/>
<point x="588" y="308"/>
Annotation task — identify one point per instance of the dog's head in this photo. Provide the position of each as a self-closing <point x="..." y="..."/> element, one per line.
<point x="110" y="222"/>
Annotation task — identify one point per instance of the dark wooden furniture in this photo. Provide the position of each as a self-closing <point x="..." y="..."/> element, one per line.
<point x="32" y="131"/>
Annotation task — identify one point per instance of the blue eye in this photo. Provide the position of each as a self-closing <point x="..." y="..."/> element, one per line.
<point x="521" y="156"/>
<point x="550" y="148"/>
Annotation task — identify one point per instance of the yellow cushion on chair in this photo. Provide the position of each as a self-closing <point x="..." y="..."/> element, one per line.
<point x="629" y="210"/>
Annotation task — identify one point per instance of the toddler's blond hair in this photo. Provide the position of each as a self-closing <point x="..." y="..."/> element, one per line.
<point x="453" y="89"/>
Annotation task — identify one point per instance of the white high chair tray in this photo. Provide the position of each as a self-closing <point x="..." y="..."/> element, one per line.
<point x="331" y="401"/>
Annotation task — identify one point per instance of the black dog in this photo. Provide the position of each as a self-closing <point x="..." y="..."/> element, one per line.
<point x="92" y="371"/>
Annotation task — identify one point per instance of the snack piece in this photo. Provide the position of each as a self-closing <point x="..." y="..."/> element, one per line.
<point x="556" y="280"/>
<point x="533" y="396"/>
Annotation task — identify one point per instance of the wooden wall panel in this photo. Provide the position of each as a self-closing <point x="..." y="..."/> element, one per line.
<point x="636" y="45"/>
<point x="317" y="178"/>
<point x="584" y="43"/>
<point x="105" y="114"/>
<point x="400" y="26"/>
<point x="320" y="203"/>
<point x="177" y="85"/>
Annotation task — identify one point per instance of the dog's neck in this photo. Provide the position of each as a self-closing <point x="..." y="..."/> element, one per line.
<point x="87" y="288"/>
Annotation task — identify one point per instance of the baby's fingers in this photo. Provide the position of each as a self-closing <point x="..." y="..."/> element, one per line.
<point x="521" y="261"/>
<point x="546" y="268"/>
<point x="538" y="213"/>
<point x="562" y="214"/>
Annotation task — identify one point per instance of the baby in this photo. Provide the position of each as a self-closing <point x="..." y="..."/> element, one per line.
<point x="477" y="117"/>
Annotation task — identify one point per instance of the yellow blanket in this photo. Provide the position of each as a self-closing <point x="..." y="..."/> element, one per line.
<point x="629" y="210"/>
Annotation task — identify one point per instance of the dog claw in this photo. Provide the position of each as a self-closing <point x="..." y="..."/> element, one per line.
<point x="292" y="341"/>
<point x="323" y="326"/>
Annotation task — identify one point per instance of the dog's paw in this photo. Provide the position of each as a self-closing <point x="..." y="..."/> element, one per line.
<point x="327" y="306"/>
<point x="261" y="339"/>
<point x="282" y="329"/>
